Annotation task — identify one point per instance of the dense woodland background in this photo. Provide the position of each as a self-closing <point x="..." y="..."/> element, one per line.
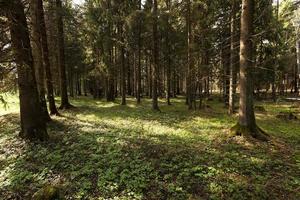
<point x="158" y="99"/>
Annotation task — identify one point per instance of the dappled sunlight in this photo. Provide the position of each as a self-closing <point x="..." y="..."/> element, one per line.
<point x="132" y="152"/>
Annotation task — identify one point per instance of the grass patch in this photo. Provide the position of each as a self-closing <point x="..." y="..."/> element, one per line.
<point x="104" y="150"/>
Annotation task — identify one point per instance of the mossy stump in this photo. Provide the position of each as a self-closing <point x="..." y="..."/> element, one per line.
<point x="254" y="132"/>
<point x="48" y="192"/>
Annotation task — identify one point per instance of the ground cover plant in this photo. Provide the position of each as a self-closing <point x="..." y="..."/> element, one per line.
<point x="101" y="150"/>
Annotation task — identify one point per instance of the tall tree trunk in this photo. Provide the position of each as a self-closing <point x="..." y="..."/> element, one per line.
<point x="190" y="72"/>
<point x="32" y="123"/>
<point x="61" y="58"/>
<point x="168" y="94"/>
<point x="123" y="68"/>
<point x="297" y="70"/>
<point x="273" y="84"/>
<point x="155" y="58"/>
<point x="150" y="60"/>
<point x="49" y="84"/>
<point x="138" y="73"/>
<point x="129" y="77"/>
<point x="123" y="77"/>
<point x="233" y="58"/>
<point x="246" y="123"/>
<point x="38" y="57"/>
<point x="226" y="72"/>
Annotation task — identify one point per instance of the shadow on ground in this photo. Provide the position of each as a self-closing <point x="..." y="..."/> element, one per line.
<point x="106" y="151"/>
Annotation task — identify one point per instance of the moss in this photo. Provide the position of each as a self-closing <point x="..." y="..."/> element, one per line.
<point x="48" y="192"/>
<point x="255" y="132"/>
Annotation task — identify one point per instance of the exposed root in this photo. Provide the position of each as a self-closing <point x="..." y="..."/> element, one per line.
<point x="254" y="132"/>
<point x="34" y="134"/>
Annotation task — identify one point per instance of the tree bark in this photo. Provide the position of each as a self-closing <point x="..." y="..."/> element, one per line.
<point x="38" y="57"/>
<point x="233" y="58"/>
<point x="45" y="50"/>
<point x="123" y="68"/>
<point x="138" y="73"/>
<point x="61" y="58"/>
<point x="33" y="126"/>
<point x="168" y="93"/>
<point x="246" y="123"/>
<point x="297" y="70"/>
<point x="155" y="58"/>
<point x="190" y="89"/>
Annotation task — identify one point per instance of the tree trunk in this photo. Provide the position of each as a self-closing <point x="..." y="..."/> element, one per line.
<point x="168" y="93"/>
<point x="233" y="58"/>
<point x="155" y="58"/>
<point x="61" y="58"/>
<point x="33" y="126"/>
<point x="297" y="70"/>
<point x="45" y="50"/>
<point x="38" y="57"/>
<point x="138" y="73"/>
<point x="190" y="72"/>
<point x="123" y="68"/>
<point x="246" y="123"/>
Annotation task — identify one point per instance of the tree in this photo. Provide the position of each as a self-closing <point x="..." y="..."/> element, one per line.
<point x="123" y="66"/>
<point x="168" y="43"/>
<point x="233" y="57"/>
<point x="297" y="77"/>
<point x="38" y="55"/>
<point x="48" y="73"/>
<point x="191" y="71"/>
<point x="61" y="58"/>
<point x="246" y="123"/>
<point x="155" y="57"/>
<point x="33" y="125"/>
<point x="138" y="74"/>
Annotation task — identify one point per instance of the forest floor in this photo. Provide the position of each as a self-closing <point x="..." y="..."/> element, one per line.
<point x="103" y="150"/>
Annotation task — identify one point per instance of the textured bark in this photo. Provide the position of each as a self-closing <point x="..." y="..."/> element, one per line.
<point x="246" y="112"/>
<point x="33" y="126"/>
<point x="190" y="88"/>
<point x="168" y="93"/>
<point x="61" y="58"/>
<point x="45" y="50"/>
<point x="225" y="53"/>
<point x="123" y="69"/>
<point x="297" y="70"/>
<point x="247" y="124"/>
<point x="150" y="77"/>
<point x="155" y="58"/>
<point x="233" y="58"/>
<point x="123" y="77"/>
<point x="110" y="89"/>
<point x="138" y="73"/>
<point x="38" y="56"/>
